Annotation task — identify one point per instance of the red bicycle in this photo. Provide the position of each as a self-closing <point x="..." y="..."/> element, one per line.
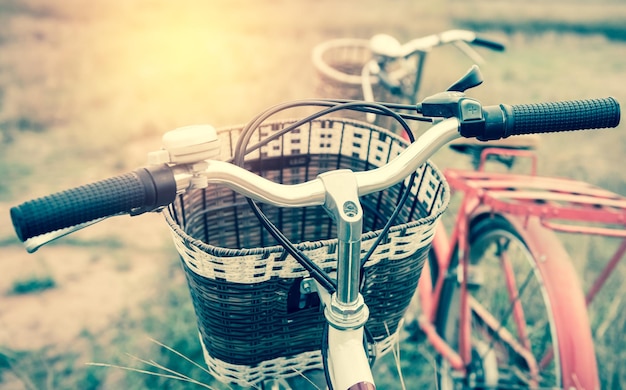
<point x="501" y="300"/>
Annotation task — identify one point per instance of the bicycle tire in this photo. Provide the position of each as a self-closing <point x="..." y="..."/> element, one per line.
<point x="533" y="324"/>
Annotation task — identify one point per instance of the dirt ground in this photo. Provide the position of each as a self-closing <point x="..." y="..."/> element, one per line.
<point x="94" y="283"/>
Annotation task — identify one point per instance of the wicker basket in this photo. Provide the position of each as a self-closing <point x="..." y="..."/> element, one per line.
<point x="253" y="320"/>
<point x="338" y="64"/>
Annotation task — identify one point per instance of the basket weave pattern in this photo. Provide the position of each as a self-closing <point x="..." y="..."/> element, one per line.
<point x="254" y="322"/>
<point x="338" y="64"/>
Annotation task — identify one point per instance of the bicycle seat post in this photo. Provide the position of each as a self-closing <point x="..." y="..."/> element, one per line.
<point x="346" y="309"/>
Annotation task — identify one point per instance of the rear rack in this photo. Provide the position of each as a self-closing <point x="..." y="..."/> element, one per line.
<point x="561" y="204"/>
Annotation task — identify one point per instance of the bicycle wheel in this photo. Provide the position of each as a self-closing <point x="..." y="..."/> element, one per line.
<point x="513" y="334"/>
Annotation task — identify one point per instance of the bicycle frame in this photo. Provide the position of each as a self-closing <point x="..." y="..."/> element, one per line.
<point x="532" y="204"/>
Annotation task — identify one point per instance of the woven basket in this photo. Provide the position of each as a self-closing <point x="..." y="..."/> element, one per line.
<point x="338" y="64"/>
<point x="254" y="321"/>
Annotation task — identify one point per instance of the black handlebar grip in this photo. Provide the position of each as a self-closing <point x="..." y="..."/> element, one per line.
<point x="561" y="116"/>
<point x="488" y="43"/>
<point x="504" y="120"/>
<point x="142" y="190"/>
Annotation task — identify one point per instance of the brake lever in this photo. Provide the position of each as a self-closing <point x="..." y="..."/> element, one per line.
<point x="471" y="79"/>
<point x="34" y="243"/>
<point x="469" y="51"/>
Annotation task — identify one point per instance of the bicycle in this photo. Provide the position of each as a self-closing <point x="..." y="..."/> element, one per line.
<point x="270" y="309"/>
<point x="383" y="69"/>
<point x="503" y="288"/>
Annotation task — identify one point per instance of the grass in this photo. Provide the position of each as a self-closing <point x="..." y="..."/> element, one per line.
<point x="46" y="369"/>
<point x="169" y="318"/>
<point x="535" y="17"/>
<point x="85" y="92"/>
<point x="31" y="285"/>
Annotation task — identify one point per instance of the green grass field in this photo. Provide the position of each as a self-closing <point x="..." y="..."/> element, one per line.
<point x="87" y="89"/>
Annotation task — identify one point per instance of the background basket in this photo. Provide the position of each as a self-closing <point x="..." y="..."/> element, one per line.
<point x="338" y="64"/>
<point x="254" y="321"/>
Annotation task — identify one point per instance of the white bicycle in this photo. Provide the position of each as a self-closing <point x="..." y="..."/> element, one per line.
<point x="318" y="278"/>
<point x="383" y="69"/>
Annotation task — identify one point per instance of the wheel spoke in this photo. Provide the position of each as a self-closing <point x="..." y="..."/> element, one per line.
<point x="498" y="330"/>
<point x="514" y="294"/>
<point x="512" y="332"/>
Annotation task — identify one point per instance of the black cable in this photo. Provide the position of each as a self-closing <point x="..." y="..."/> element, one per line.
<point x="394" y="214"/>
<point x="317" y="273"/>
<point x="335" y="105"/>
<point x="240" y="150"/>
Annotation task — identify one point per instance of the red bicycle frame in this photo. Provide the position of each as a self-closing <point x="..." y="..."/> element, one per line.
<point x="537" y="207"/>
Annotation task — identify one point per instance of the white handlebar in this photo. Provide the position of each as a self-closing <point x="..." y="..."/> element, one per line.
<point x="387" y="46"/>
<point x="312" y="193"/>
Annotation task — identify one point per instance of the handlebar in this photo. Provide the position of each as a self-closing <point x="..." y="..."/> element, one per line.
<point x="495" y="122"/>
<point x="151" y="188"/>
<point x="560" y="116"/>
<point x="134" y="193"/>
<point x="481" y="40"/>
<point x="386" y="46"/>
<point x="387" y="50"/>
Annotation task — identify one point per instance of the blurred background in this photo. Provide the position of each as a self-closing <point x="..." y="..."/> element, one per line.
<point x="88" y="88"/>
